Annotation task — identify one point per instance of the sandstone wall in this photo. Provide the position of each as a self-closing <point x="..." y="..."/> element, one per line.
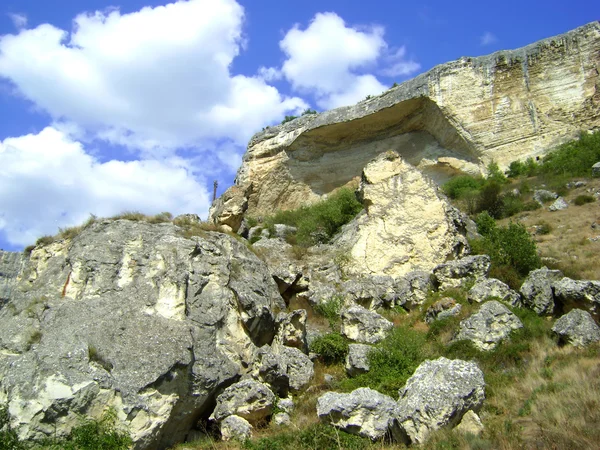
<point x="458" y="116"/>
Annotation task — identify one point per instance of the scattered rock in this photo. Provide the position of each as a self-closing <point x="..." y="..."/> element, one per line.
<point x="372" y="292"/>
<point x="283" y="231"/>
<point x="443" y="308"/>
<point x="487" y="327"/>
<point x="541" y="196"/>
<point x="491" y="287"/>
<point x="576" y="184"/>
<point x="537" y="290"/>
<point x="439" y="393"/>
<point x="235" y="428"/>
<point x="413" y="288"/>
<point x="362" y="325"/>
<point x="584" y="294"/>
<point x="470" y="424"/>
<point x="248" y="399"/>
<point x="577" y="328"/>
<point x="364" y="412"/>
<point x="357" y="360"/>
<point x="282" y="419"/>
<point x="459" y="272"/>
<point x="298" y="366"/>
<point x="596" y="170"/>
<point x="286" y="405"/>
<point x="558" y="205"/>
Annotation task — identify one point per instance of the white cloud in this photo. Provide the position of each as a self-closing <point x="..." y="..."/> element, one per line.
<point x="18" y="20"/>
<point x="399" y="65"/>
<point x="331" y="60"/>
<point x="49" y="181"/>
<point x="487" y="39"/>
<point x="155" y="79"/>
<point x="270" y="73"/>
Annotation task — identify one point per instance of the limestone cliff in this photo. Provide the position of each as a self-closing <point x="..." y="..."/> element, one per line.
<point x="458" y="116"/>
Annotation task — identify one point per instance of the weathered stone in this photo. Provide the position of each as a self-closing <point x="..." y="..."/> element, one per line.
<point x="11" y="265"/>
<point x="282" y="419"/>
<point x="541" y="196"/>
<point x="362" y="325"/>
<point x="132" y="316"/>
<point x="490" y="325"/>
<point x="283" y="231"/>
<point x="456" y="117"/>
<point x="470" y="424"/>
<point x="248" y="399"/>
<point x="286" y="405"/>
<point x="584" y="294"/>
<point x="537" y="290"/>
<point x="357" y="360"/>
<point x="442" y="309"/>
<point x="235" y="428"/>
<point x="291" y="330"/>
<point x="491" y="287"/>
<point x="461" y="271"/>
<point x="596" y="170"/>
<point x="439" y="393"/>
<point x="413" y="288"/>
<point x="558" y="205"/>
<point x="284" y="368"/>
<point x="408" y="225"/>
<point x="364" y="412"/>
<point x="231" y="206"/>
<point x="577" y="328"/>
<point x="371" y="292"/>
<point x="299" y="367"/>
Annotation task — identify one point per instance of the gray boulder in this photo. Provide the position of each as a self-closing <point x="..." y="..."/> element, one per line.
<point x="490" y="325"/>
<point x="291" y="329"/>
<point x="286" y="404"/>
<point x="413" y="288"/>
<point x="357" y="360"/>
<point x="364" y="412"/>
<point x="299" y="367"/>
<point x="442" y="309"/>
<point x="133" y="316"/>
<point x="372" y="292"/>
<point x="282" y="419"/>
<point x="537" y="290"/>
<point x="283" y="368"/>
<point x="235" y="428"/>
<point x="439" y="393"/>
<point x="362" y="325"/>
<point x="248" y="399"/>
<point x="470" y="424"/>
<point x="584" y="294"/>
<point x="283" y="231"/>
<point x="558" y="205"/>
<point x="596" y="170"/>
<point x="461" y="271"/>
<point x="491" y="287"/>
<point x="577" y="328"/>
<point x="541" y="196"/>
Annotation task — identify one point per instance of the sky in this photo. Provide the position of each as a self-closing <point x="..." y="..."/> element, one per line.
<point x="140" y="105"/>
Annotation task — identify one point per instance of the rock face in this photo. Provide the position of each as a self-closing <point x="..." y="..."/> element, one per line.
<point x="439" y="393"/>
<point x="136" y="317"/>
<point x="11" y="265"/>
<point x="458" y="116"/>
<point x="407" y="225"/>
<point x="362" y="325"/>
<point x="364" y="411"/>
<point x="488" y="326"/>
<point x="577" y="328"/>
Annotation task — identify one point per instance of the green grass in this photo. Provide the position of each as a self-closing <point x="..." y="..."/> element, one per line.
<point x="583" y="199"/>
<point x="330" y="309"/>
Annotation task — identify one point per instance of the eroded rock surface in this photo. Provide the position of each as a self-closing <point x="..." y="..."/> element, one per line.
<point x="362" y="325"/>
<point x="537" y="290"/>
<point x="459" y="272"/>
<point x="577" y="328"/>
<point x="491" y="287"/>
<point x="136" y="317"/>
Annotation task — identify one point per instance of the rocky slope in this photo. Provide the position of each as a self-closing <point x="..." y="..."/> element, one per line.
<point x="459" y="116"/>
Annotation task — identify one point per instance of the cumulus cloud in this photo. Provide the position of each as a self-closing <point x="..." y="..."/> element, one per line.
<point x="18" y="20"/>
<point x="488" y="38"/>
<point x="158" y="78"/>
<point x="48" y="181"/>
<point x="332" y="60"/>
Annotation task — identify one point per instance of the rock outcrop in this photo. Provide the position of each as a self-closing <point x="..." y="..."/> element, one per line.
<point x="135" y="317"/>
<point x="457" y="117"/>
<point x="365" y="326"/>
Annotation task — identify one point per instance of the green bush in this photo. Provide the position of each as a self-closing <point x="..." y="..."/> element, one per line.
<point x="309" y="111"/>
<point x="583" y="199"/>
<point x="392" y="362"/>
<point x="332" y="348"/>
<point x="330" y="309"/>
<point x="574" y="158"/>
<point x="288" y="119"/>
<point x="515" y="169"/>
<point x="490" y="199"/>
<point x="8" y="437"/>
<point x="495" y="174"/>
<point x="458" y="186"/>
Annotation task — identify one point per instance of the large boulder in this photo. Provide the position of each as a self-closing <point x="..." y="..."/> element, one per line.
<point x="577" y="328"/>
<point x="459" y="272"/>
<point x="291" y="329"/>
<point x="357" y="360"/>
<point x="364" y="412"/>
<point x="439" y="393"/>
<point x="583" y="294"/>
<point x="413" y="288"/>
<point x="362" y="325"/>
<point x="235" y="428"/>
<point x="248" y="399"/>
<point x="493" y="288"/>
<point x="372" y="292"/>
<point x="490" y="325"/>
<point x="537" y="291"/>
<point x="407" y="224"/>
<point x="136" y="317"/>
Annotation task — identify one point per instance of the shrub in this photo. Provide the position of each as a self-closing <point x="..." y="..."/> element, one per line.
<point x="574" y="158"/>
<point x="9" y="440"/>
<point x="495" y="174"/>
<point x="544" y="228"/>
<point x="332" y="348"/>
<point x="458" y="186"/>
<point x="511" y="205"/>
<point x="330" y="309"/>
<point x="583" y="199"/>
<point x="490" y="199"/>
<point x="309" y="111"/>
<point x="288" y="119"/>
<point x="516" y="169"/>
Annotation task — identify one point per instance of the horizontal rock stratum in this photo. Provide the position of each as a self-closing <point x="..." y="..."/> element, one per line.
<point x="458" y="116"/>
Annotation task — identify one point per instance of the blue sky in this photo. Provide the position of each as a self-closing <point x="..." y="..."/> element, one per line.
<point x="140" y="105"/>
